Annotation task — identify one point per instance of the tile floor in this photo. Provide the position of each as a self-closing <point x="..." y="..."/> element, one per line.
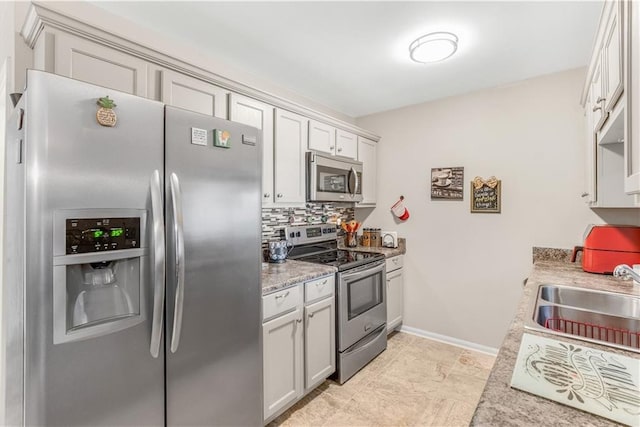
<point x="415" y="382"/>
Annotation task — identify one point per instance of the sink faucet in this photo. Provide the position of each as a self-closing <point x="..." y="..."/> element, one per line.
<point x="623" y="271"/>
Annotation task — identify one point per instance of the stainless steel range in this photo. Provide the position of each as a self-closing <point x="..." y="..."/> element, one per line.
<point x="361" y="294"/>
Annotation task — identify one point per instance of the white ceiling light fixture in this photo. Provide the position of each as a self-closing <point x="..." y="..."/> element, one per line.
<point x="433" y="47"/>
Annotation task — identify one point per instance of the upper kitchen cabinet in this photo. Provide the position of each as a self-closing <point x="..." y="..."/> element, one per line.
<point x="612" y="59"/>
<point x="607" y="97"/>
<point x="290" y="144"/>
<point x="346" y="144"/>
<point x="193" y="94"/>
<point x="81" y="59"/>
<point x="259" y="115"/>
<point x="327" y="139"/>
<point x="322" y="137"/>
<point x="632" y="110"/>
<point x="367" y="154"/>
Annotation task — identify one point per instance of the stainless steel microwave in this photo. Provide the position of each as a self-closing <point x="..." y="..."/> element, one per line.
<point x="331" y="179"/>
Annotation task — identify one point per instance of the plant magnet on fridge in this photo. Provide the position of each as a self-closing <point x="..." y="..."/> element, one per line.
<point x="399" y="210"/>
<point x="221" y="138"/>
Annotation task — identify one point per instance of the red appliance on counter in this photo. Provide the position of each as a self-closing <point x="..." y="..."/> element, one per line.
<point x="606" y="246"/>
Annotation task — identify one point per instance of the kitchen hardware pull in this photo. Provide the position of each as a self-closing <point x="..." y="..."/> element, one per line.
<point x="584" y="194"/>
<point x="279" y="195"/>
<point x="355" y="188"/>
<point x="267" y="194"/>
<point x="340" y="150"/>
<point x="367" y="270"/>
<point x="324" y="282"/>
<point x="596" y="108"/>
<point x="600" y="99"/>
<point x="176" y="203"/>
<point x="331" y="147"/>
<point x="299" y="320"/>
<point x="158" y="264"/>
<point x="310" y="315"/>
<point x="282" y="296"/>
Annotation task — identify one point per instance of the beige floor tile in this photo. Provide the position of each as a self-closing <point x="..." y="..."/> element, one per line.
<point x="415" y="382"/>
<point x="473" y="364"/>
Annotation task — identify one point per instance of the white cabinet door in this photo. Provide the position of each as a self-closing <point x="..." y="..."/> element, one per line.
<point x="589" y="195"/>
<point x="395" y="299"/>
<point x="367" y="154"/>
<point x="612" y="57"/>
<point x="597" y="98"/>
<point x="346" y="144"/>
<point x="632" y="107"/>
<point x="90" y="62"/>
<point x="290" y="146"/>
<point x="282" y="361"/>
<point x="322" y="137"/>
<point x="259" y="115"/>
<point x="320" y="342"/>
<point x="192" y="94"/>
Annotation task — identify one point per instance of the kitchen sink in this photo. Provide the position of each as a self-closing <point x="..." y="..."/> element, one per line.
<point x="601" y="317"/>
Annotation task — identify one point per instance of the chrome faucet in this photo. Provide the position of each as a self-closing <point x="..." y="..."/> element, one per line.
<point x="624" y="271"/>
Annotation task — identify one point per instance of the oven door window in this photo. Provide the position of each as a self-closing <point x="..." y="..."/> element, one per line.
<point x="331" y="180"/>
<point x="364" y="294"/>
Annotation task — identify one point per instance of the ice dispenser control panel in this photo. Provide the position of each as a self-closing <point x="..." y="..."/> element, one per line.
<point x="87" y="235"/>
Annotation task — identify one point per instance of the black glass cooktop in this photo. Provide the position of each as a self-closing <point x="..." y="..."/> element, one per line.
<point x="342" y="259"/>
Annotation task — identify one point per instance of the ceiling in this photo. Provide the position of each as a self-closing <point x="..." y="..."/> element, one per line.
<point x="353" y="56"/>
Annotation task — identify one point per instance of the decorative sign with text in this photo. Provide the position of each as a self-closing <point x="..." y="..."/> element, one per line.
<point x="485" y="195"/>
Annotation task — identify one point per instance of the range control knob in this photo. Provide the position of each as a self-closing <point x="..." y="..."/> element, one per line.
<point x="292" y="234"/>
<point x="297" y="234"/>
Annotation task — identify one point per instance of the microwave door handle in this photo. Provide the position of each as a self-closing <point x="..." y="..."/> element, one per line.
<point x="176" y="202"/>
<point x="158" y="264"/>
<point x="357" y="186"/>
<point x="353" y="189"/>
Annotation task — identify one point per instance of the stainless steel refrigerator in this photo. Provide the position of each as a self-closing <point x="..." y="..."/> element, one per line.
<point x="132" y="262"/>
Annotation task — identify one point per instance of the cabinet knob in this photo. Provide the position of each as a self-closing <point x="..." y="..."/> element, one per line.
<point x="267" y="195"/>
<point x="331" y="147"/>
<point x="310" y="315"/>
<point x="279" y="196"/>
<point x="299" y="320"/>
<point x="596" y="108"/>
<point x="339" y="150"/>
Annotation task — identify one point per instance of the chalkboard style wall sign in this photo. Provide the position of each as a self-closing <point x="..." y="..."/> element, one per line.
<point x="447" y="183"/>
<point x="485" y="195"/>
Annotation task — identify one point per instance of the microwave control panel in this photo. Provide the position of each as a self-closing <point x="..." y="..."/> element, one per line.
<point x="88" y="235"/>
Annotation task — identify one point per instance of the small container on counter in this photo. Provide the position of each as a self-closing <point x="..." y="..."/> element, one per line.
<point x="376" y="238"/>
<point x="351" y="239"/>
<point x="366" y="237"/>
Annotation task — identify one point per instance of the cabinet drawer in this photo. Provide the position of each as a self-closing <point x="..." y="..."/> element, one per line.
<point x="395" y="263"/>
<point x="318" y="288"/>
<point x="281" y="302"/>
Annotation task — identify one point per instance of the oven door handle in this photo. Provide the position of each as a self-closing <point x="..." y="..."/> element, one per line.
<point x="367" y="342"/>
<point x="365" y="270"/>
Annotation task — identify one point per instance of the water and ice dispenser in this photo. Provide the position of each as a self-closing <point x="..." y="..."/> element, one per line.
<point x="99" y="272"/>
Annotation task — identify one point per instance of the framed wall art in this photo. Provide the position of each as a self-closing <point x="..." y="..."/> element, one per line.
<point x="485" y="195"/>
<point x="447" y="183"/>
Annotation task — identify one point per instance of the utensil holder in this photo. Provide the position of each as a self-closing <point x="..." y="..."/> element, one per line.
<point x="351" y="239"/>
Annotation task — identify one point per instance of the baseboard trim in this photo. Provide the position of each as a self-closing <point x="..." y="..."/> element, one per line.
<point x="450" y="340"/>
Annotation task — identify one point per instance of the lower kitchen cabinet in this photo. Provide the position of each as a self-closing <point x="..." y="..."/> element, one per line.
<point x="282" y="361"/>
<point x="395" y="292"/>
<point x="298" y="334"/>
<point x="319" y="342"/>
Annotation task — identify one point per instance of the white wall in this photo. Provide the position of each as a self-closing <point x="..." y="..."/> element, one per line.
<point x="463" y="271"/>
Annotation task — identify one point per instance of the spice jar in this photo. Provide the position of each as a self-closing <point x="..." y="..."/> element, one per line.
<point x="374" y="239"/>
<point x="366" y="237"/>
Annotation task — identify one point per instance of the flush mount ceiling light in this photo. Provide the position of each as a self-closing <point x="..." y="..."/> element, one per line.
<point x="433" y="47"/>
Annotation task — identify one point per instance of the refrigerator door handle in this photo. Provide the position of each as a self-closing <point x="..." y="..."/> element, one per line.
<point x="178" y="234"/>
<point x="158" y="264"/>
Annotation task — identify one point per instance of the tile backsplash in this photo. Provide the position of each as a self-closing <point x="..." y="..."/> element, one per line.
<point x="274" y="219"/>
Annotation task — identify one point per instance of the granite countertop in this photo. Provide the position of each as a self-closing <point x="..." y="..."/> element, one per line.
<point x="387" y="252"/>
<point x="500" y="404"/>
<point x="289" y="273"/>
